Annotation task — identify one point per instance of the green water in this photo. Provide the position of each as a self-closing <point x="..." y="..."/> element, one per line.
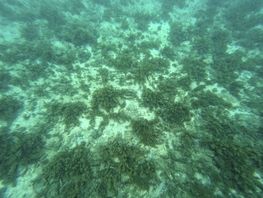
<point x="131" y="98"/>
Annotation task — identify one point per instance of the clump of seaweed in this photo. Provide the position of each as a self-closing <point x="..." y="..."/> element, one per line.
<point x="168" y="88"/>
<point x="30" y="31"/>
<point x="226" y="66"/>
<point x="18" y="149"/>
<point x="125" y="61"/>
<point x="217" y="122"/>
<point x="9" y="108"/>
<point x="144" y="174"/>
<point x="168" y="52"/>
<point x="79" y="33"/>
<point x="234" y="156"/>
<point x="69" y="173"/>
<point x="8" y="162"/>
<point x="220" y="39"/>
<point x="105" y="98"/>
<point x="237" y="163"/>
<point x="149" y="66"/>
<point x="69" y="112"/>
<point x="153" y="99"/>
<point x="207" y="98"/>
<point x="145" y="130"/>
<point x="175" y="113"/>
<point x="28" y="50"/>
<point x="123" y="163"/>
<point x="108" y="98"/>
<point x="178" y="34"/>
<point x="5" y="79"/>
<point x="195" y="68"/>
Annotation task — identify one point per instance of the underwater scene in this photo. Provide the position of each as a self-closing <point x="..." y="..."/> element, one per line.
<point x="131" y="98"/>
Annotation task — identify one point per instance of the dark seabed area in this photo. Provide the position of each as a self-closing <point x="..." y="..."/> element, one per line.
<point x="131" y="98"/>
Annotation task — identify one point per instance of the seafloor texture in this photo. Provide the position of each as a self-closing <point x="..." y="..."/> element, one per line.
<point x="131" y="98"/>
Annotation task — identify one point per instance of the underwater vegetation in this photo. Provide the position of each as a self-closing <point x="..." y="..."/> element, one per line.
<point x="68" y="174"/>
<point x="237" y="159"/>
<point x="178" y="34"/>
<point x="203" y="99"/>
<point x="122" y="162"/>
<point x="69" y="112"/>
<point x="126" y="98"/>
<point x="9" y="108"/>
<point x="161" y="101"/>
<point x="168" y="5"/>
<point x="168" y="88"/>
<point x="226" y="67"/>
<point x="149" y="66"/>
<point x="78" y="33"/>
<point x="41" y="50"/>
<point x="77" y="172"/>
<point x="18" y="149"/>
<point x="30" y="31"/>
<point x="28" y="50"/>
<point x="238" y="164"/>
<point x="195" y="68"/>
<point x="128" y="61"/>
<point x="5" y="80"/>
<point x="175" y="113"/>
<point x="153" y="99"/>
<point x="145" y="130"/>
<point x="125" y="61"/>
<point x="109" y="97"/>
<point x="106" y="99"/>
<point x="236" y="15"/>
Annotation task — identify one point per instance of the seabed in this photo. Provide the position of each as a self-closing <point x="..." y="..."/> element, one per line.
<point x="131" y="98"/>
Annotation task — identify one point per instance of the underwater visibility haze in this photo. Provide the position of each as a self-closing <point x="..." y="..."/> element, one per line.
<point x="131" y="98"/>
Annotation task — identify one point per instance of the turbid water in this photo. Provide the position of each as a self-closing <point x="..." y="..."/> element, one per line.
<point x="131" y="98"/>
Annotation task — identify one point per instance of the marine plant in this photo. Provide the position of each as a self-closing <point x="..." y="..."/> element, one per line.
<point x="105" y="98"/>
<point x="102" y="2"/>
<point x="18" y="149"/>
<point x="217" y="122"/>
<point x="178" y="34"/>
<point x="9" y="108"/>
<point x="8" y="165"/>
<point x="5" y="79"/>
<point x="124" y="163"/>
<point x="144" y="174"/>
<point x="237" y="14"/>
<point x="51" y="13"/>
<point x="168" y="52"/>
<point x="41" y="50"/>
<point x="153" y="99"/>
<point x="204" y="99"/>
<point x="104" y="75"/>
<point x="168" y="88"/>
<point x="149" y="66"/>
<point x="30" y="31"/>
<point x="68" y="174"/>
<point x="145" y="130"/>
<point x="108" y="97"/>
<point x="237" y="164"/>
<point x="78" y="33"/>
<point x="69" y="112"/>
<point x="195" y="68"/>
<point x="202" y="44"/>
<point x="125" y="61"/>
<point x="66" y="56"/>
<point x="143" y="19"/>
<point x="226" y="66"/>
<point x="174" y="113"/>
<point x="30" y="145"/>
